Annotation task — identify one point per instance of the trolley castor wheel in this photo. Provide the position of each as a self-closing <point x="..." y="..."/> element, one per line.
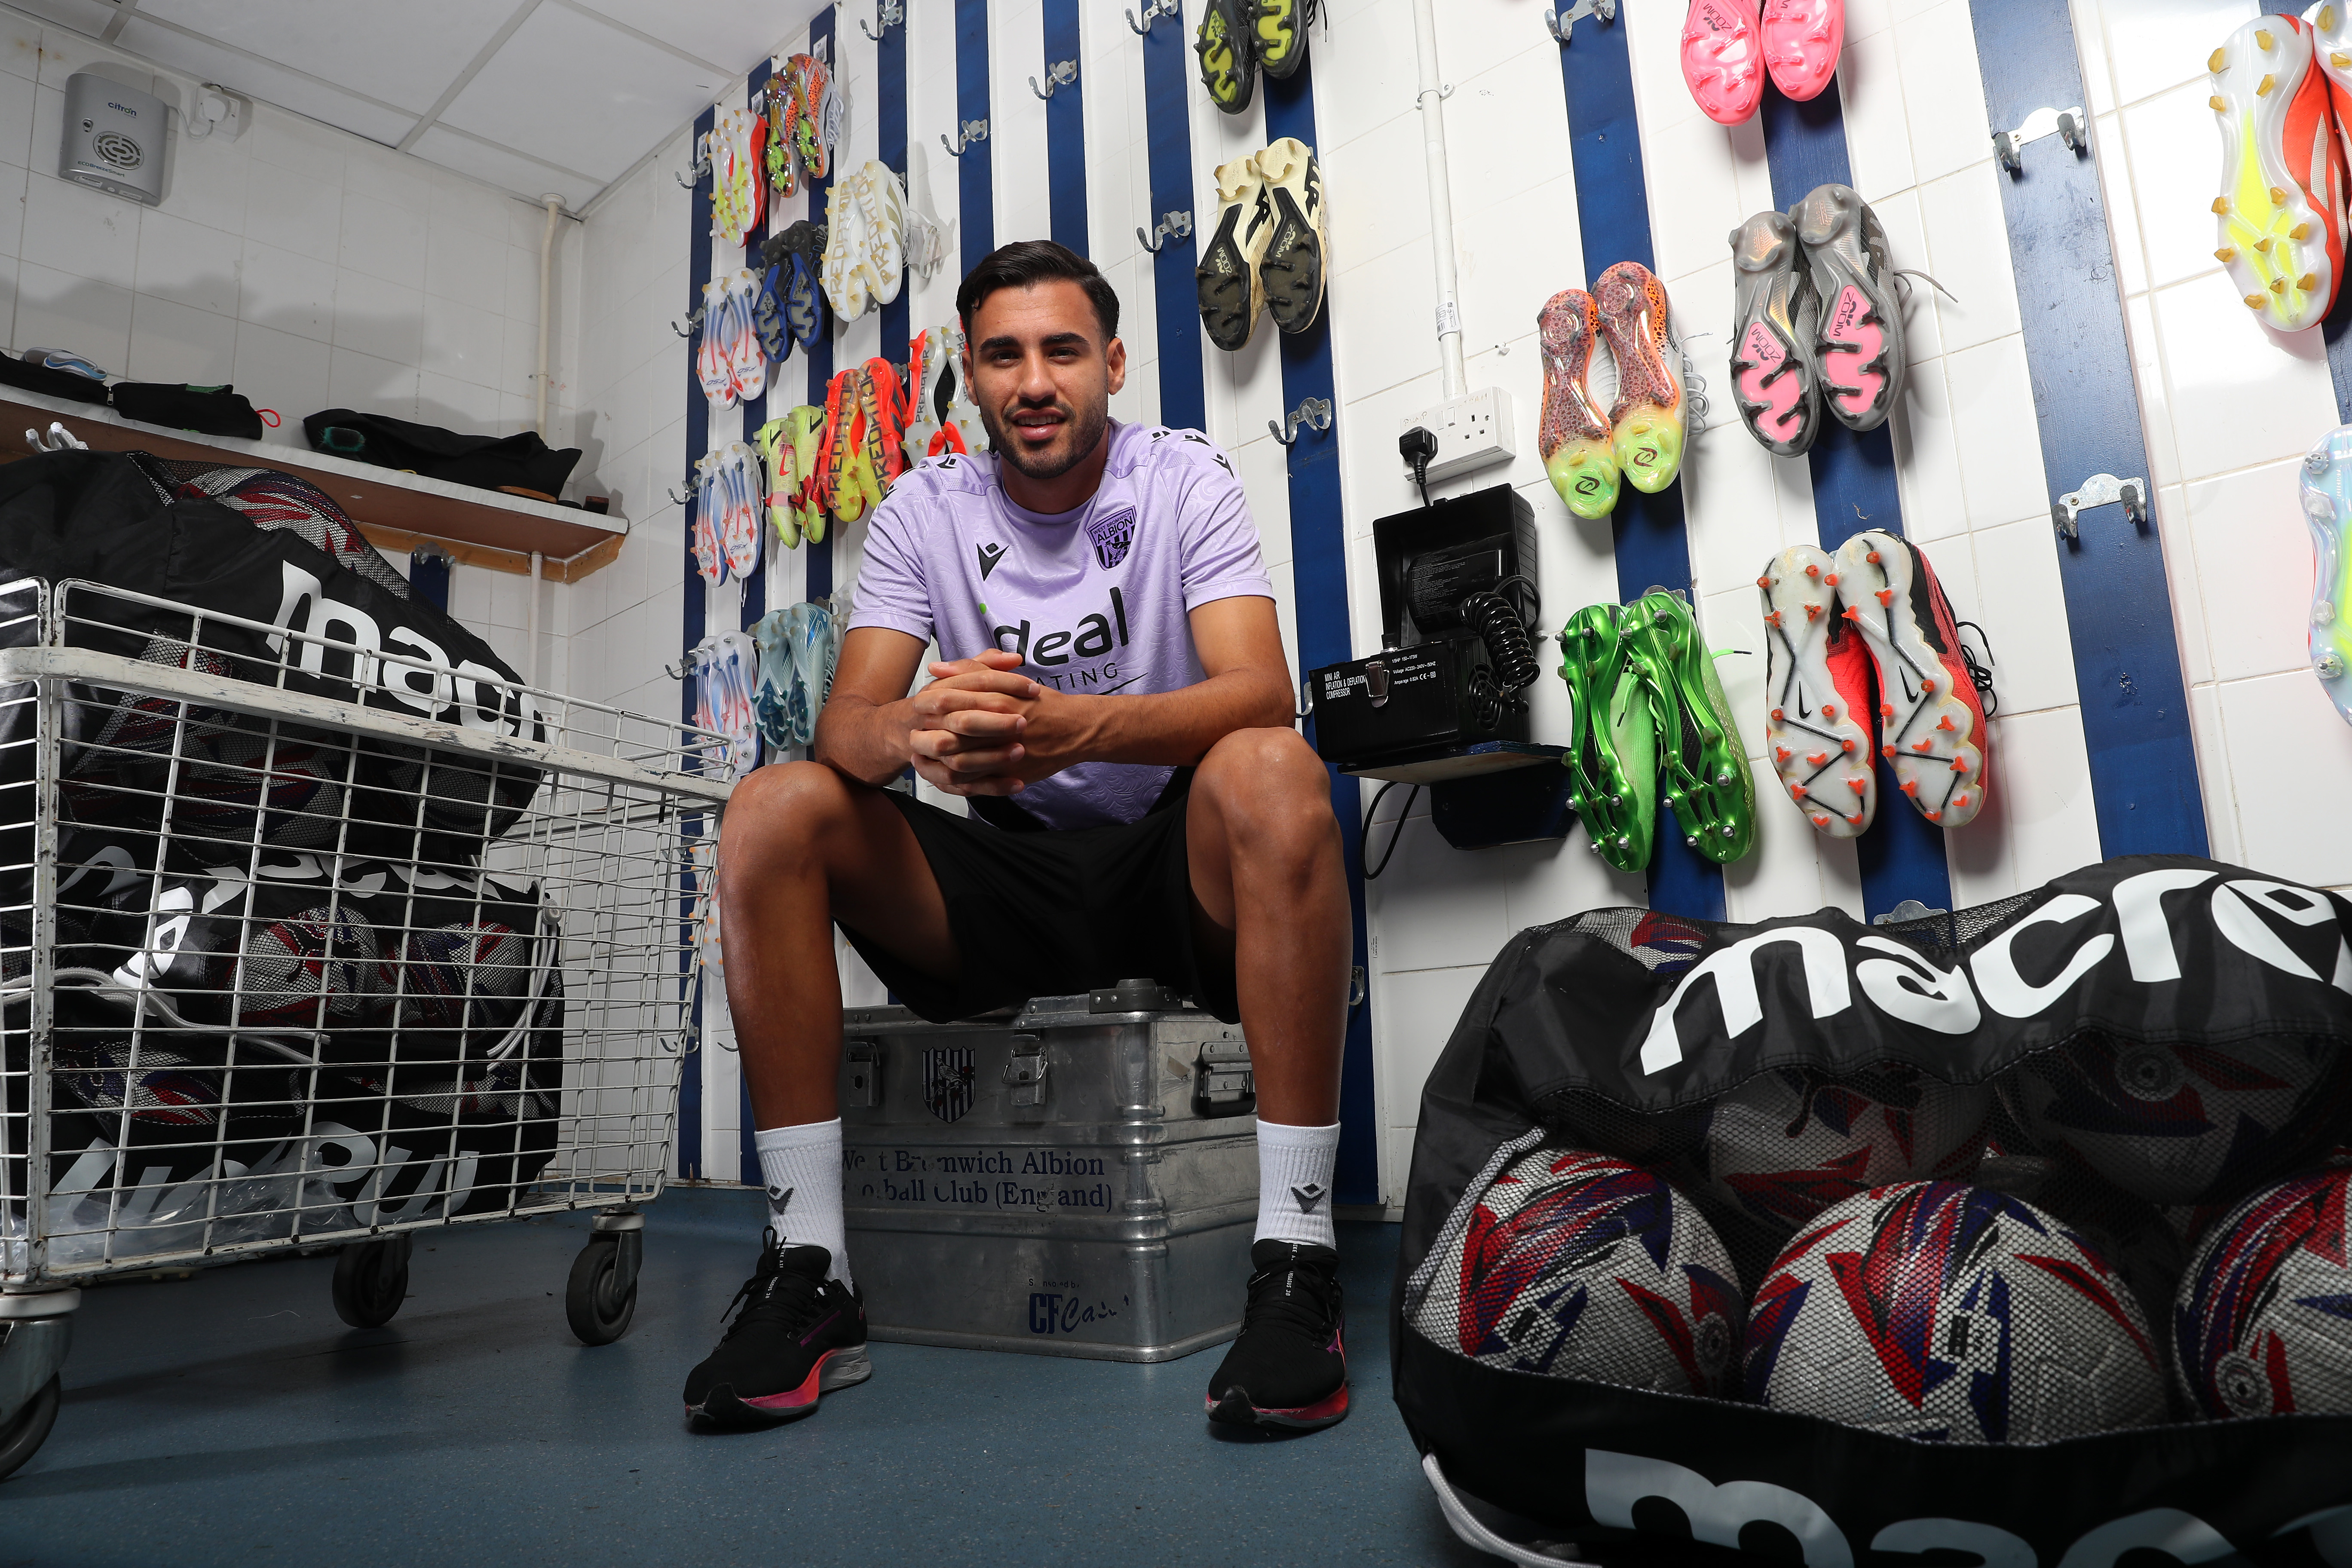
<point x="602" y="1295"/>
<point x="370" y="1282"/>
<point x="23" y="1436"/>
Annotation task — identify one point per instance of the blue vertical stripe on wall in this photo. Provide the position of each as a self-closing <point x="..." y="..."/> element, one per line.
<point x="819" y="358"/>
<point x="1065" y="128"/>
<point x="1319" y="550"/>
<point x="1612" y="207"/>
<point x="890" y="124"/>
<point x="1902" y="855"/>
<point x="2127" y="672"/>
<point x="428" y="579"/>
<point x="698" y="439"/>
<point x="975" y="181"/>
<point x="1168" y="116"/>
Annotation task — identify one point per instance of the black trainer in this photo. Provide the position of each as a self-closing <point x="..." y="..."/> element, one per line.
<point x="1289" y="1367"/>
<point x="798" y="1336"/>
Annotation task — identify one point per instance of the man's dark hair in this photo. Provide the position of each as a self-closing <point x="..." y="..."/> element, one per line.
<point x="1025" y="262"/>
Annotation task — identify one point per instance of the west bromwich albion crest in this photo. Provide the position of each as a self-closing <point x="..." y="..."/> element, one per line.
<point x="947" y="1083"/>
<point x="1111" y="535"/>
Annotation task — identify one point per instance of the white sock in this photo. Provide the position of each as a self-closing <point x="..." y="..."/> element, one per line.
<point x="801" y="1166"/>
<point x="1293" y="1182"/>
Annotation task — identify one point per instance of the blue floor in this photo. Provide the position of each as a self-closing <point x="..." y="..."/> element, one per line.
<point x="233" y="1418"/>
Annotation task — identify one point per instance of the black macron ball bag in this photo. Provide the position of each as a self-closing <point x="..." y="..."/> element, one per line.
<point x="2016" y="1235"/>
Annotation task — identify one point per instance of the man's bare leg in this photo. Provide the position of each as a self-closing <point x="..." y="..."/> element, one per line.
<point x="1269" y="887"/>
<point x="801" y="845"/>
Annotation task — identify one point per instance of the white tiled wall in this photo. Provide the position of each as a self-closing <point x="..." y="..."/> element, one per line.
<point x="310" y="268"/>
<point x="2227" y="408"/>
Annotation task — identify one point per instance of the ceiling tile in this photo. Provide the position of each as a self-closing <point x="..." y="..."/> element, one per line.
<point x="497" y="166"/>
<point x="570" y="90"/>
<point x="406" y="54"/>
<point x="271" y="84"/>
<point x="733" y="34"/>
<point x="82" y="15"/>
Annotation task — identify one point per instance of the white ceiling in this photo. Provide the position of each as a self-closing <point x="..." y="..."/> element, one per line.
<point x="532" y="96"/>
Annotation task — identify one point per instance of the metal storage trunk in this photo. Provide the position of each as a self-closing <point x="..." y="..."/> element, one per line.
<point x="1077" y="1179"/>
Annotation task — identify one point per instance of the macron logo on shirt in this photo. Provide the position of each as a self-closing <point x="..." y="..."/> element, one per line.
<point x="989" y="554"/>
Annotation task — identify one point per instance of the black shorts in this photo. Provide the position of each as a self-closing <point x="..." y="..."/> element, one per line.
<point x="1046" y="912"/>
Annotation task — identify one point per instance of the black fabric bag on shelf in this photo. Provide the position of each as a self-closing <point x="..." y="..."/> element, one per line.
<point x="490" y="462"/>
<point x="206" y="410"/>
<point x="2018" y="1232"/>
<point x="50" y="382"/>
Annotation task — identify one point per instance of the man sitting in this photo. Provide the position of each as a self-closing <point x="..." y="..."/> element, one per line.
<point x="1115" y="704"/>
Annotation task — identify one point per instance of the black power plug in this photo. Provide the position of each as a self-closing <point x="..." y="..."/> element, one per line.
<point x="1417" y="447"/>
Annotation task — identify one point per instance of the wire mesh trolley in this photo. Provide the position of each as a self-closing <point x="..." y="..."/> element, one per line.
<point x="311" y="937"/>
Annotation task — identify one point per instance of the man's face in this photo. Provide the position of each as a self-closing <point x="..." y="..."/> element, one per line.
<point x="1042" y="375"/>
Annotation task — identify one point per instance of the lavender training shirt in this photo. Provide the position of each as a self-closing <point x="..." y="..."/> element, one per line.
<point x="1093" y="600"/>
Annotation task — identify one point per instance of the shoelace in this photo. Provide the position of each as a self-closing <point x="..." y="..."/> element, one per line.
<point x="781" y="1297"/>
<point x="1901" y="273"/>
<point x="1277" y="1296"/>
<point x="1978" y="674"/>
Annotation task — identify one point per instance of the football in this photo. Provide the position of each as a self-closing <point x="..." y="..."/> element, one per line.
<point x="2182" y="1124"/>
<point x="1576" y="1264"/>
<point x="1790" y="1143"/>
<point x="1950" y="1313"/>
<point x="318" y="969"/>
<point x="2263" y="1323"/>
<point x="238" y="787"/>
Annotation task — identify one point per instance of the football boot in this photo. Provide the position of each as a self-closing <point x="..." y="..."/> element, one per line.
<point x="1777" y="320"/>
<point x="1931" y="722"/>
<point x="2327" y="510"/>
<point x="1647" y="420"/>
<point x="2281" y="211"/>
<point x="1700" y="759"/>
<point x="1291" y="272"/>
<point x="1226" y="282"/>
<point x="1817" y="694"/>
<point x="1573" y="437"/>
<point x="1613" y="746"/>
<point x="1723" y="59"/>
<point x="1801" y="40"/>
<point x="1859" y="341"/>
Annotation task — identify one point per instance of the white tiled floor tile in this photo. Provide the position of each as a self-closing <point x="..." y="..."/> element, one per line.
<point x="1877" y="126"/>
<point x="464" y="342"/>
<point x="2247" y="526"/>
<point x="2152" y="45"/>
<point x="461" y="264"/>
<point x="1937" y="50"/>
<point x="175" y="342"/>
<point x="2240" y="392"/>
<point x="2020" y="603"/>
<point x="2290" y="814"/>
<point x="2122" y="203"/>
<point x="367" y="385"/>
<point x="283" y="372"/>
<point x="382" y="240"/>
<point x="2175" y="165"/>
<point x="1993" y="427"/>
<point x="2213" y="774"/>
<point x="2186" y="583"/>
<point x="292" y="213"/>
<point x="189" y="264"/>
<point x="286" y="291"/>
<point x="377" y="318"/>
<point x="1968" y="250"/>
<point x="78" y="230"/>
<point x="58" y="309"/>
<point x="1927" y="457"/>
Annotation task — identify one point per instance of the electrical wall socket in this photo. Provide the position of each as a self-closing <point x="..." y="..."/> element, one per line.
<point x="1474" y="431"/>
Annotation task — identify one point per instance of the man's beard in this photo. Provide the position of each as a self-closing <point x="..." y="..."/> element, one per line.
<point x="1082" y="430"/>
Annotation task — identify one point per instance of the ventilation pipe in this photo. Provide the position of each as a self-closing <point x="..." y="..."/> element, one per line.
<point x="1441" y="201"/>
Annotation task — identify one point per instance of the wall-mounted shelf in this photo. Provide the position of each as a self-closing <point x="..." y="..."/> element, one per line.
<point x="394" y="509"/>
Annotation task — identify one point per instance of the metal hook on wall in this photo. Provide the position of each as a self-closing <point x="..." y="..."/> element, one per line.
<point x="1561" y="22"/>
<point x="1060" y="74"/>
<point x="1313" y="412"/>
<point x="693" y="324"/>
<point x="890" y="14"/>
<point x="1171" y="9"/>
<point x="968" y="133"/>
<point x="1172" y="225"/>
<point x="695" y="175"/>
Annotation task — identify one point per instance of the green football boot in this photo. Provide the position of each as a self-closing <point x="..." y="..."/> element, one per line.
<point x="1612" y="749"/>
<point x="1699" y="754"/>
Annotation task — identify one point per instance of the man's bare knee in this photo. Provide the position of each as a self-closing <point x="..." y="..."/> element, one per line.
<point x="780" y="812"/>
<point x="1271" y="790"/>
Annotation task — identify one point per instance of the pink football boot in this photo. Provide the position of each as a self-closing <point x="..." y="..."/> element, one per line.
<point x="1723" y="58"/>
<point x="1801" y="39"/>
